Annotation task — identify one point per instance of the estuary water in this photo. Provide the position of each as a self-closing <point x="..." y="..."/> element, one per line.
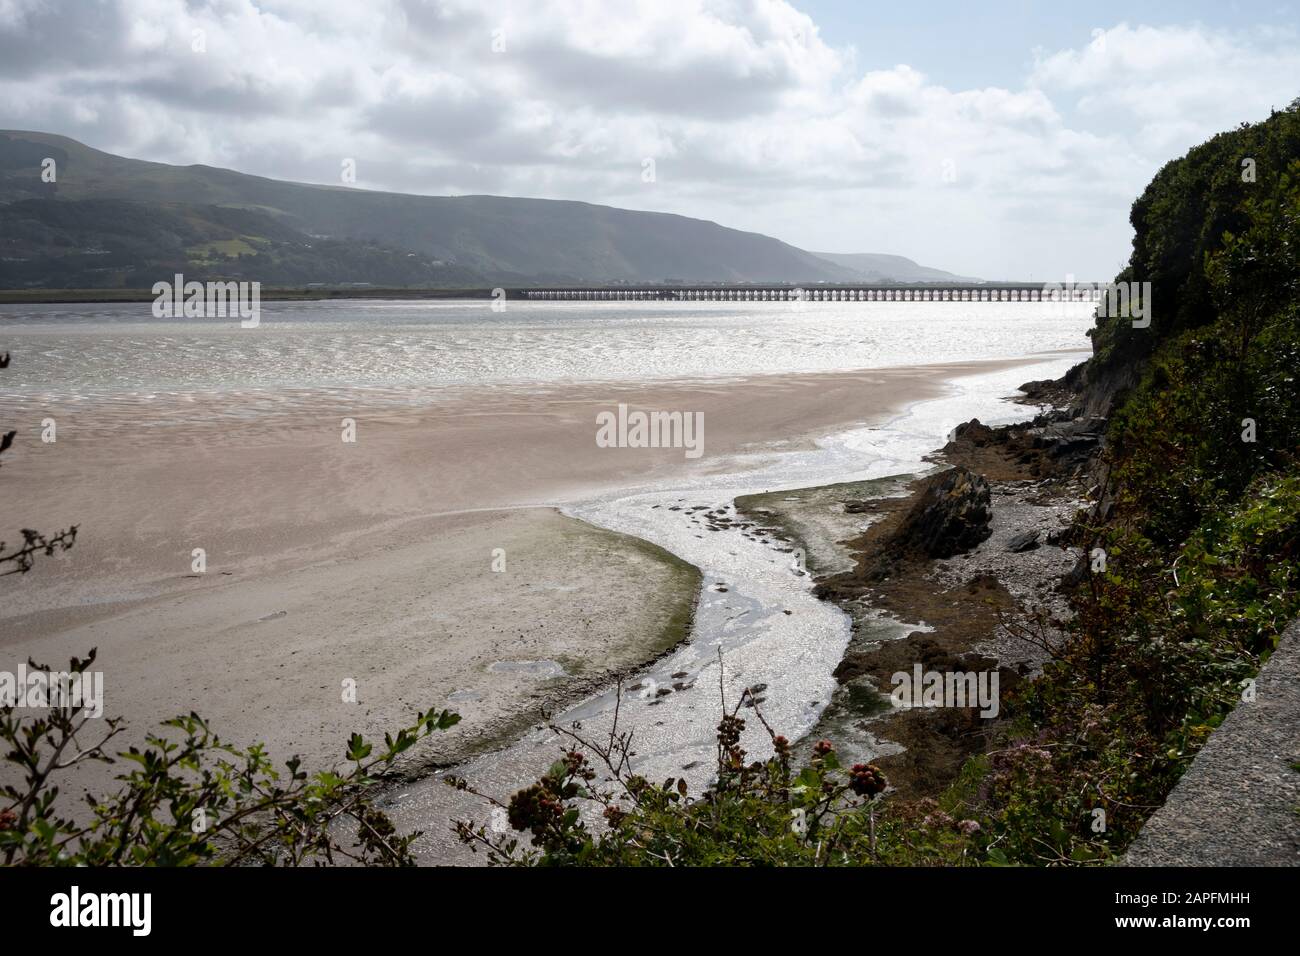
<point x="757" y="623"/>
<point x="398" y="349"/>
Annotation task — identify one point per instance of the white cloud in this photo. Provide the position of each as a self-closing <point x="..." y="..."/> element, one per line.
<point x="1160" y="86"/>
<point x="754" y="120"/>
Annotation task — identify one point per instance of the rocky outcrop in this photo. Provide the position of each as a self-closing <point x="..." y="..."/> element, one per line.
<point x="1101" y="389"/>
<point x="1053" y="444"/>
<point x="974" y="432"/>
<point x="952" y="516"/>
<point x="1087" y="389"/>
<point x="1059" y="393"/>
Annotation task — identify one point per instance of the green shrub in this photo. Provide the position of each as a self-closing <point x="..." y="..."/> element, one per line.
<point x="195" y="800"/>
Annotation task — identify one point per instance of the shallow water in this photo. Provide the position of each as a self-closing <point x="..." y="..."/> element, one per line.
<point x="409" y="352"/>
<point x="396" y="349"/>
<point x="742" y="636"/>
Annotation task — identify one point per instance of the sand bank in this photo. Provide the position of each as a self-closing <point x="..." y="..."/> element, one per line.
<point x="328" y="560"/>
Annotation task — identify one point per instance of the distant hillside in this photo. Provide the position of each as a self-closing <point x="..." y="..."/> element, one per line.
<point x="115" y="243"/>
<point x="118" y="222"/>
<point x="488" y="237"/>
<point x="879" y="267"/>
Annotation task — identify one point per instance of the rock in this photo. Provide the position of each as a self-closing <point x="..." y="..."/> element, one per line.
<point x="1038" y="386"/>
<point x="1076" y="574"/>
<point x="982" y="582"/>
<point x="1026" y="541"/>
<point x="951" y="516"/>
<point x="1075" y="442"/>
<point x="1054" y="443"/>
<point x="853" y="665"/>
<point x="975" y="432"/>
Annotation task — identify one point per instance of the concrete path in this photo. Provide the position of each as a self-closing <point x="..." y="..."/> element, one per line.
<point x="1239" y="804"/>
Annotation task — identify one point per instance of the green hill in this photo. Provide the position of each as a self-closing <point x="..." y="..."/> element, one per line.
<point x="482" y="239"/>
<point x="880" y="267"/>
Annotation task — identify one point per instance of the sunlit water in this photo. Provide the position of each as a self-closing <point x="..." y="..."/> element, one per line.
<point x="396" y="349"/>
<point x="404" y="351"/>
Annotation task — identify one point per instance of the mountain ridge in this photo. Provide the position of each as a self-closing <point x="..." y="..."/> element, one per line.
<point x="887" y="267"/>
<point x="451" y="239"/>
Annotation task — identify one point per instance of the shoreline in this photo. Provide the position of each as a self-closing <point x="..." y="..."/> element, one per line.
<point x="941" y="613"/>
<point x="387" y="541"/>
<point x="360" y="643"/>
<point x="641" y="648"/>
<point x="279" y="488"/>
<point x="680" y="739"/>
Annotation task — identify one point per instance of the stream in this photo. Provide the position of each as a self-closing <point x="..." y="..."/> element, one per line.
<point x="757" y="623"/>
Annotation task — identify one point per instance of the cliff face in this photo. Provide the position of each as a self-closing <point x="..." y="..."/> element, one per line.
<point x="1095" y="388"/>
<point x="1191" y="567"/>
<point x="1203" y="402"/>
<point x="1191" y="214"/>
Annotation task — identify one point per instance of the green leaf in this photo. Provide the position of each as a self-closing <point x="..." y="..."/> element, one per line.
<point x="358" y="749"/>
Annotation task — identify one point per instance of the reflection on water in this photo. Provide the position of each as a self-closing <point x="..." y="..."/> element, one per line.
<point x="406" y="351"/>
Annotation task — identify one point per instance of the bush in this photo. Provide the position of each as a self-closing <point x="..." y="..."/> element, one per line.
<point x="188" y="798"/>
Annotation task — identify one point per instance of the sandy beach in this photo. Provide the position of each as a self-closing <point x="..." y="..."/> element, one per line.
<point x="329" y="561"/>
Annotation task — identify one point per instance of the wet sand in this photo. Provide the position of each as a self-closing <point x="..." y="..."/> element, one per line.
<point x="372" y="560"/>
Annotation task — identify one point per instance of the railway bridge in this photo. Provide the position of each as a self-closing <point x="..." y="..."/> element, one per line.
<point x="928" y="292"/>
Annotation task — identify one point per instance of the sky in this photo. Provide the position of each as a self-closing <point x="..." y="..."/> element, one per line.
<point x="1001" y="139"/>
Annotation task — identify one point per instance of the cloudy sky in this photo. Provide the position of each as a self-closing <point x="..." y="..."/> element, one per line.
<point x="998" y="139"/>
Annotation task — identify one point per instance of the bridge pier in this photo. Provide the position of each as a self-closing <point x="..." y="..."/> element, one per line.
<point x="1082" y="292"/>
